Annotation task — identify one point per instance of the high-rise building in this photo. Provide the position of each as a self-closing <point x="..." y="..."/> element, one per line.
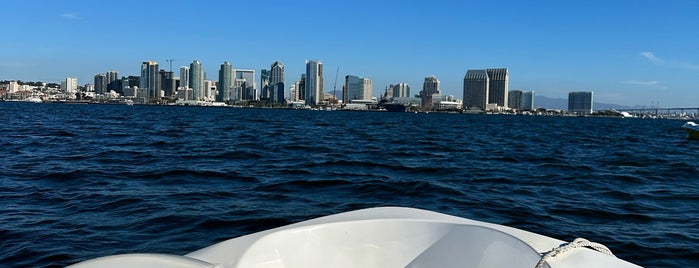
<point x="69" y="85"/>
<point x="13" y="87"/>
<point x="134" y="81"/>
<point x="300" y="87"/>
<point x="429" y="88"/>
<point x="225" y="82"/>
<point x="498" y="86"/>
<point x="314" y="82"/>
<point x="113" y="81"/>
<point x="209" y="90"/>
<point x="514" y="99"/>
<point x="150" y="80"/>
<point x="293" y="93"/>
<point x="476" y="84"/>
<point x="356" y="88"/>
<point x="167" y="83"/>
<point x="248" y="86"/>
<point x="265" y="93"/>
<point x="496" y="83"/>
<point x="184" y="76"/>
<point x="196" y="80"/>
<point x="100" y="84"/>
<point x="400" y="90"/>
<point x="276" y="82"/>
<point x="125" y="83"/>
<point x="580" y="102"/>
<point x="527" y="101"/>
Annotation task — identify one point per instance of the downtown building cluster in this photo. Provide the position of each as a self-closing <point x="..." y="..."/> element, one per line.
<point x="483" y="89"/>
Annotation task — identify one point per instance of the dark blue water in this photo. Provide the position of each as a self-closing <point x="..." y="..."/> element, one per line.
<point x="83" y="181"/>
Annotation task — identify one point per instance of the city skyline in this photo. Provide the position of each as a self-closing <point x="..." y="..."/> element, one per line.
<point x="627" y="52"/>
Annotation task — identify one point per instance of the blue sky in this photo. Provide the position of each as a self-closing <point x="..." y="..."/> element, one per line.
<point x="632" y="52"/>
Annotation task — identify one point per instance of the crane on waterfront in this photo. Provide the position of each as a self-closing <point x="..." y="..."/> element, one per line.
<point x="169" y="63"/>
<point x="335" y="87"/>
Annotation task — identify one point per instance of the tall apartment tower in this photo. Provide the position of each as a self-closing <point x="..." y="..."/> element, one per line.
<point x="167" y="83"/>
<point x="401" y="90"/>
<point x="100" y="83"/>
<point x="514" y="99"/>
<point x="476" y="85"/>
<point x="498" y="86"/>
<point x="246" y="81"/>
<point x="69" y="85"/>
<point x="225" y="82"/>
<point x="197" y="80"/>
<point x="113" y="81"/>
<point x="276" y="82"/>
<point x="300" y="88"/>
<point x="184" y="76"/>
<point x="150" y="79"/>
<point x="314" y="82"/>
<point x="429" y="88"/>
<point x="265" y="90"/>
<point x="357" y="88"/>
<point x="527" y="101"/>
<point x="580" y="102"/>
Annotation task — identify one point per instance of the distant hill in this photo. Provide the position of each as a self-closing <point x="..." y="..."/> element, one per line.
<point x="556" y="103"/>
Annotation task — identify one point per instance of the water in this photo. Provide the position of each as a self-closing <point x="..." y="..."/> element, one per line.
<point x="83" y="181"/>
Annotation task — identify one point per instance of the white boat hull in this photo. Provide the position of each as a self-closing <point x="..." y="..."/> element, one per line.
<point x="377" y="237"/>
<point x="692" y="130"/>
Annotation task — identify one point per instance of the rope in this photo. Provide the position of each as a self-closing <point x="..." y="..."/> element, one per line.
<point x="577" y="243"/>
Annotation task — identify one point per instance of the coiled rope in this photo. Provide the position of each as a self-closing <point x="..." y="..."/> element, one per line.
<point x="577" y="243"/>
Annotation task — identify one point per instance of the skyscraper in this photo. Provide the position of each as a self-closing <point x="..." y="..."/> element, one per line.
<point x="293" y="93"/>
<point x="150" y="79"/>
<point x="184" y="76"/>
<point x="69" y="85"/>
<point x="429" y="88"/>
<point x="401" y="90"/>
<point x="167" y="83"/>
<point x="225" y="82"/>
<point x="196" y="80"/>
<point x="580" y="102"/>
<point x="527" y="101"/>
<point x="514" y="99"/>
<point x="113" y="81"/>
<point x="300" y="87"/>
<point x="100" y="83"/>
<point x="276" y="82"/>
<point x="476" y="84"/>
<point x="498" y="86"/>
<point x="248" y="86"/>
<point x="356" y="88"/>
<point x="314" y="82"/>
<point x="265" y="93"/>
<point x="124" y="83"/>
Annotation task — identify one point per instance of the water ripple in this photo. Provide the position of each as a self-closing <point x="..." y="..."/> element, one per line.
<point x="79" y="182"/>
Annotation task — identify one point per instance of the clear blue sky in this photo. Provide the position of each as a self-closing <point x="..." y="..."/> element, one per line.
<point x="631" y="52"/>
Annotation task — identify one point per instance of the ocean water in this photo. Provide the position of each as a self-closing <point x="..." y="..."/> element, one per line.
<point x="84" y="181"/>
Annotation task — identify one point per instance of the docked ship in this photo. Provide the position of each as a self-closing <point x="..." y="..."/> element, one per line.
<point x="394" y="107"/>
<point x="391" y="106"/>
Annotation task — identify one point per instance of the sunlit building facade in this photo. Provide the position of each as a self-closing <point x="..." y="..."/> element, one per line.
<point x="314" y="82"/>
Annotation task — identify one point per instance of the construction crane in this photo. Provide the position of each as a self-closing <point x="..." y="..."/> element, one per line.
<point x="335" y="87"/>
<point x="169" y="63"/>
